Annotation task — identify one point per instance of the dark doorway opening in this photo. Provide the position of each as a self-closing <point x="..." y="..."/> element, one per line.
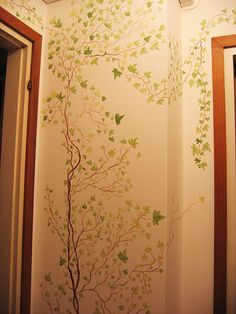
<point x="3" y="68"/>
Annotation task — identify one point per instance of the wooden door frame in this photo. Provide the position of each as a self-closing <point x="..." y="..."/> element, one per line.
<point x="36" y="39"/>
<point x="220" y="171"/>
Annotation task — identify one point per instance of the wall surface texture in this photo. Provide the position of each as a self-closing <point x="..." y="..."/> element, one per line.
<point x="123" y="217"/>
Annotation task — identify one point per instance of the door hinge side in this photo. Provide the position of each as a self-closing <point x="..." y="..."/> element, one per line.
<point x="29" y="85"/>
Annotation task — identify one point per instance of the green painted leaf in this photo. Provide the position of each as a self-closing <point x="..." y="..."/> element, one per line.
<point x="149" y="4"/>
<point x="202" y="165"/>
<point x="195" y="150"/>
<point x="88" y="51"/>
<point x="94" y="168"/>
<point x="143" y="50"/>
<point x="134" y="54"/>
<point x="202" y="198"/>
<point x="147" y="39"/>
<point x="155" y="46"/>
<point x="132" y="68"/>
<point x="116" y="73"/>
<point x="90" y="14"/>
<point x="61" y="288"/>
<point x="162" y="28"/>
<point x="191" y="83"/>
<point x="60" y="96"/>
<point x="157" y="217"/>
<point x="123" y="256"/>
<point x="73" y="89"/>
<point x="50" y="56"/>
<point x="56" y="22"/>
<point x="111" y="152"/>
<point x="94" y="61"/>
<point x="84" y="84"/>
<point x="148" y="74"/>
<point x="74" y="38"/>
<point x="118" y="118"/>
<point x="91" y="37"/>
<point x="47" y="277"/>
<point x="206" y="147"/>
<point x="150" y="98"/>
<point x="62" y="261"/>
<point x="160" y="101"/>
<point x="203" y="24"/>
<point x="146" y="209"/>
<point x="133" y="142"/>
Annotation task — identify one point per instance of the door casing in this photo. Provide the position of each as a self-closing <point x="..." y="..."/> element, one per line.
<point x="28" y="198"/>
<point x="220" y="171"/>
<point x="12" y="159"/>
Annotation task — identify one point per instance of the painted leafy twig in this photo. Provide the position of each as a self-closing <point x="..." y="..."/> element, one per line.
<point x="24" y="11"/>
<point x="177" y="214"/>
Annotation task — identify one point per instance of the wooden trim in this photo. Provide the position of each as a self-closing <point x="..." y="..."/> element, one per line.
<point x="220" y="236"/>
<point x="20" y="27"/>
<point x="36" y="40"/>
<point x="220" y="169"/>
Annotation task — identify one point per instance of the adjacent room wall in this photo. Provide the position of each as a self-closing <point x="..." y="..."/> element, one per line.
<point x="208" y="19"/>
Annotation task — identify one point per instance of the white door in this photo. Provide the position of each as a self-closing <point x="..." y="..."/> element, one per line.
<point x="231" y="178"/>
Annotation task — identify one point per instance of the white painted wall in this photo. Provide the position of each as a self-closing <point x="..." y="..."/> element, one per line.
<point x="197" y="274"/>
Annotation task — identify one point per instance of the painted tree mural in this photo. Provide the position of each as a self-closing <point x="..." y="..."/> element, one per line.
<point x="96" y="236"/>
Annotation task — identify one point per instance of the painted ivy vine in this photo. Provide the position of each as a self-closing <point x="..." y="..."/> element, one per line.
<point x="24" y="11"/>
<point x="194" y="73"/>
